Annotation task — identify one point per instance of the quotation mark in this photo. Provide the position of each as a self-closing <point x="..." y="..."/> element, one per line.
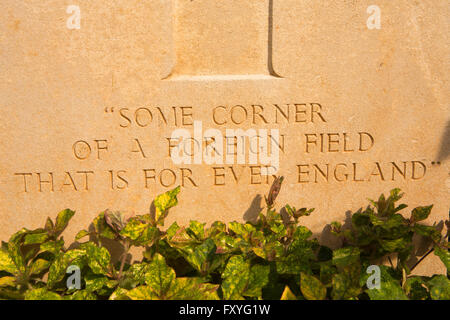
<point x="374" y="20"/>
<point x="74" y="21"/>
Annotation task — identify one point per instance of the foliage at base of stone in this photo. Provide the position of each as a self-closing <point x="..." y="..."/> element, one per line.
<point x="272" y="258"/>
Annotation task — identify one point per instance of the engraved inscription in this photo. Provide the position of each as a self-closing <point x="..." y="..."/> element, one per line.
<point x="220" y="148"/>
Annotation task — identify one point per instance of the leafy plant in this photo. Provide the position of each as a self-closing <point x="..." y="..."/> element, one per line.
<point x="274" y="257"/>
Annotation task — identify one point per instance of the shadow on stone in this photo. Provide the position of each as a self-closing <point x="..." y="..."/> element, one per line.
<point x="327" y="238"/>
<point x="444" y="150"/>
<point x="251" y="215"/>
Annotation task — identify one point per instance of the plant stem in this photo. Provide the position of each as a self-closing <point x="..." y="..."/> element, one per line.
<point x="126" y="247"/>
<point x="390" y="261"/>
<point x="421" y="259"/>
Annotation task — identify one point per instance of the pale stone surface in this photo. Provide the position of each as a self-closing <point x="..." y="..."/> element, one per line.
<point x="333" y="79"/>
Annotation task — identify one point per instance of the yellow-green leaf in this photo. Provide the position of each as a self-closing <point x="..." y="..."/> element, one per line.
<point x="6" y="263"/>
<point x="288" y="295"/>
<point x="36" y="238"/>
<point x="192" y="289"/>
<point x="82" y="234"/>
<point x="439" y="287"/>
<point x="159" y="276"/>
<point x="390" y="288"/>
<point x="258" y="279"/>
<point x="163" y="203"/>
<point x="98" y="258"/>
<point x="444" y="255"/>
<point x="119" y="294"/>
<point x="62" y="220"/>
<point x="421" y="213"/>
<point x="142" y="293"/>
<point x="62" y="262"/>
<point x="133" y="229"/>
<point x="312" y="288"/>
<point x="41" y="294"/>
<point x="345" y="287"/>
<point x="102" y="228"/>
<point x="83" y="295"/>
<point x="7" y="281"/>
<point x="39" y="266"/>
<point x="235" y="278"/>
<point x="345" y="256"/>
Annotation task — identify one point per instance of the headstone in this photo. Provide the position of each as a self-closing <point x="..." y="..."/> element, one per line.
<point x="107" y="104"/>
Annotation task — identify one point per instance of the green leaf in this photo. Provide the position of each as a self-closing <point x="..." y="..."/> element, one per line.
<point x="102" y="228"/>
<point x="163" y="203"/>
<point x="327" y="270"/>
<point x="243" y="230"/>
<point x="9" y="294"/>
<point x="302" y="234"/>
<point x="196" y="230"/>
<point x="119" y="294"/>
<point x="14" y="250"/>
<point x="298" y="258"/>
<point x="421" y="213"/>
<point x="361" y="220"/>
<point x="62" y="220"/>
<point x="345" y="286"/>
<point x="395" y="245"/>
<point x="80" y="235"/>
<point x="7" y="281"/>
<point x="95" y="282"/>
<point x="258" y="279"/>
<point x="54" y="247"/>
<point x="415" y="288"/>
<point x="39" y="266"/>
<point x="30" y="253"/>
<point x="159" y="276"/>
<point x="278" y="229"/>
<point x="62" y="262"/>
<point x="148" y="237"/>
<point x="133" y="229"/>
<point x="180" y="238"/>
<point x="136" y="273"/>
<point x="139" y="232"/>
<point x="202" y="256"/>
<point x="83" y="295"/>
<point x="235" y="278"/>
<point x="116" y="220"/>
<point x="216" y="229"/>
<point x="345" y="256"/>
<point x="41" y="294"/>
<point x="6" y="263"/>
<point x="439" y="287"/>
<point x="312" y="288"/>
<point x="444" y="255"/>
<point x="98" y="258"/>
<point x="142" y="293"/>
<point x="428" y="231"/>
<point x="192" y="289"/>
<point x="36" y="238"/>
<point x="172" y="230"/>
<point x="390" y="288"/>
<point x="49" y="225"/>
